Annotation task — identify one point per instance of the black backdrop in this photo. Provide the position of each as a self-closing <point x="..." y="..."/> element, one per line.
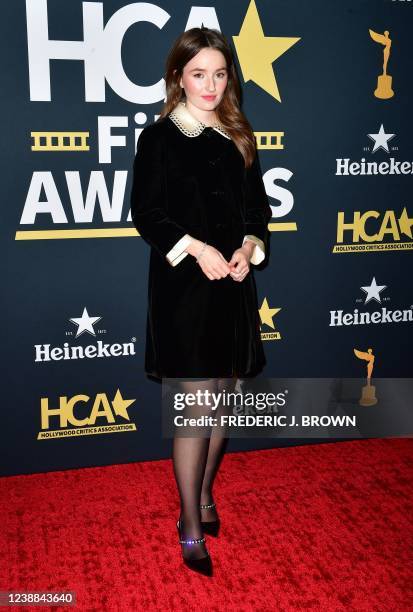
<point x="68" y="243"/>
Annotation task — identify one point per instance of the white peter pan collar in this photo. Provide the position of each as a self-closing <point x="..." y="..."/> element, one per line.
<point x="189" y="125"/>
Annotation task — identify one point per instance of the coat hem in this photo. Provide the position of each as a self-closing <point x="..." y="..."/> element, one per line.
<point x="153" y="374"/>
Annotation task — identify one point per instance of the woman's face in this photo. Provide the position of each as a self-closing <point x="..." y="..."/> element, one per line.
<point x="205" y="78"/>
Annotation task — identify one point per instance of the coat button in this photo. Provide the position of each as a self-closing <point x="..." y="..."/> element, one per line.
<point x="212" y="162"/>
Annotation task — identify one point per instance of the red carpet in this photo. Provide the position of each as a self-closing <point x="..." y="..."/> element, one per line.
<point x="315" y="527"/>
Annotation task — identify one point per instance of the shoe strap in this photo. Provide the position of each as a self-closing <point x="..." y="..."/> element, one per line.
<point x="207" y="505"/>
<point x="192" y="541"/>
<point x="196" y="541"/>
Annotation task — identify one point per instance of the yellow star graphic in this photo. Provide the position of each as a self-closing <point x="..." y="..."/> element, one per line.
<point x="267" y="313"/>
<point x="120" y="405"/>
<point x="257" y="52"/>
<point x="405" y="223"/>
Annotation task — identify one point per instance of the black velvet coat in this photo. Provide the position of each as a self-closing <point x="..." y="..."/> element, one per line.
<point x="196" y="327"/>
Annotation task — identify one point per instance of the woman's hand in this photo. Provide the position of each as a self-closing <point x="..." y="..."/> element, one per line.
<point x="212" y="262"/>
<point x="240" y="261"/>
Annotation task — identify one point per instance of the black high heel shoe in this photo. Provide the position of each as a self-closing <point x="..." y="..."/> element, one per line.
<point x="202" y="565"/>
<point x="210" y="527"/>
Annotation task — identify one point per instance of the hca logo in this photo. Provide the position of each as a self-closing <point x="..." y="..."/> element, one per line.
<point x="84" y="415"/>
<point x="100" y="49"/>
<point x="373" y="231"/>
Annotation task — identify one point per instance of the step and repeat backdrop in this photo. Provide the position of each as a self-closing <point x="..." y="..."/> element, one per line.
<point x="327" y="89"/>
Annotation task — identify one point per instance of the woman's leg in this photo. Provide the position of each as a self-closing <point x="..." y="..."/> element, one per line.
<point x="189" y="459"/>
<point x="216" y="451"/>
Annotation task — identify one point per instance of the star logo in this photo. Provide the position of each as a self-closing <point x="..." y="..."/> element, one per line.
<point x="256" y="52"/>
<point x="120" y="405"/>
<point x="85" y="323"/>
<point x="267" y="314"/>
<point x="373" y="291"/>
<point x="381" y="140"/>
<point x="406" y="223"/>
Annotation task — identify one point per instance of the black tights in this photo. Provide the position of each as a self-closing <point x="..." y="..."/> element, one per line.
<point x="196" y="462"/>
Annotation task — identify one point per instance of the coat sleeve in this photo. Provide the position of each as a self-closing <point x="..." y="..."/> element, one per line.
<point x="258" y="252"/>
<point x="149" y="200"/>
<point x="258" y="211"/>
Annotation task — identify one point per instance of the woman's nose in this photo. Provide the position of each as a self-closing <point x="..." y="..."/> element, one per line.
<point x="211" y="85"/>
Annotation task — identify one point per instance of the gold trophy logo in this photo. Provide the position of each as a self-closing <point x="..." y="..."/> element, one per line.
<point x="384" y="81"/>
<point x="368" y="395"/>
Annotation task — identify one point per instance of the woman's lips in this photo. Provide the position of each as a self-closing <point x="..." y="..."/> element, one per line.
<point x="209" y="97"/>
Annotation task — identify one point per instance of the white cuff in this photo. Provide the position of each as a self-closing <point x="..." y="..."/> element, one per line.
<point x="258" y="253"/>
<point x="177" y="253"/>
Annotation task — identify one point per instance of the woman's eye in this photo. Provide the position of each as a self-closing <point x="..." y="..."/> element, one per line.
<point x="220" y="74"/>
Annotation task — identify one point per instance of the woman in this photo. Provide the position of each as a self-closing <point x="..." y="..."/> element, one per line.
<point x="199" y="201"/>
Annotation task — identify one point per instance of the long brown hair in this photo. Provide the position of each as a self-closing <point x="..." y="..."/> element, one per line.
<point x="228" y="112"/>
